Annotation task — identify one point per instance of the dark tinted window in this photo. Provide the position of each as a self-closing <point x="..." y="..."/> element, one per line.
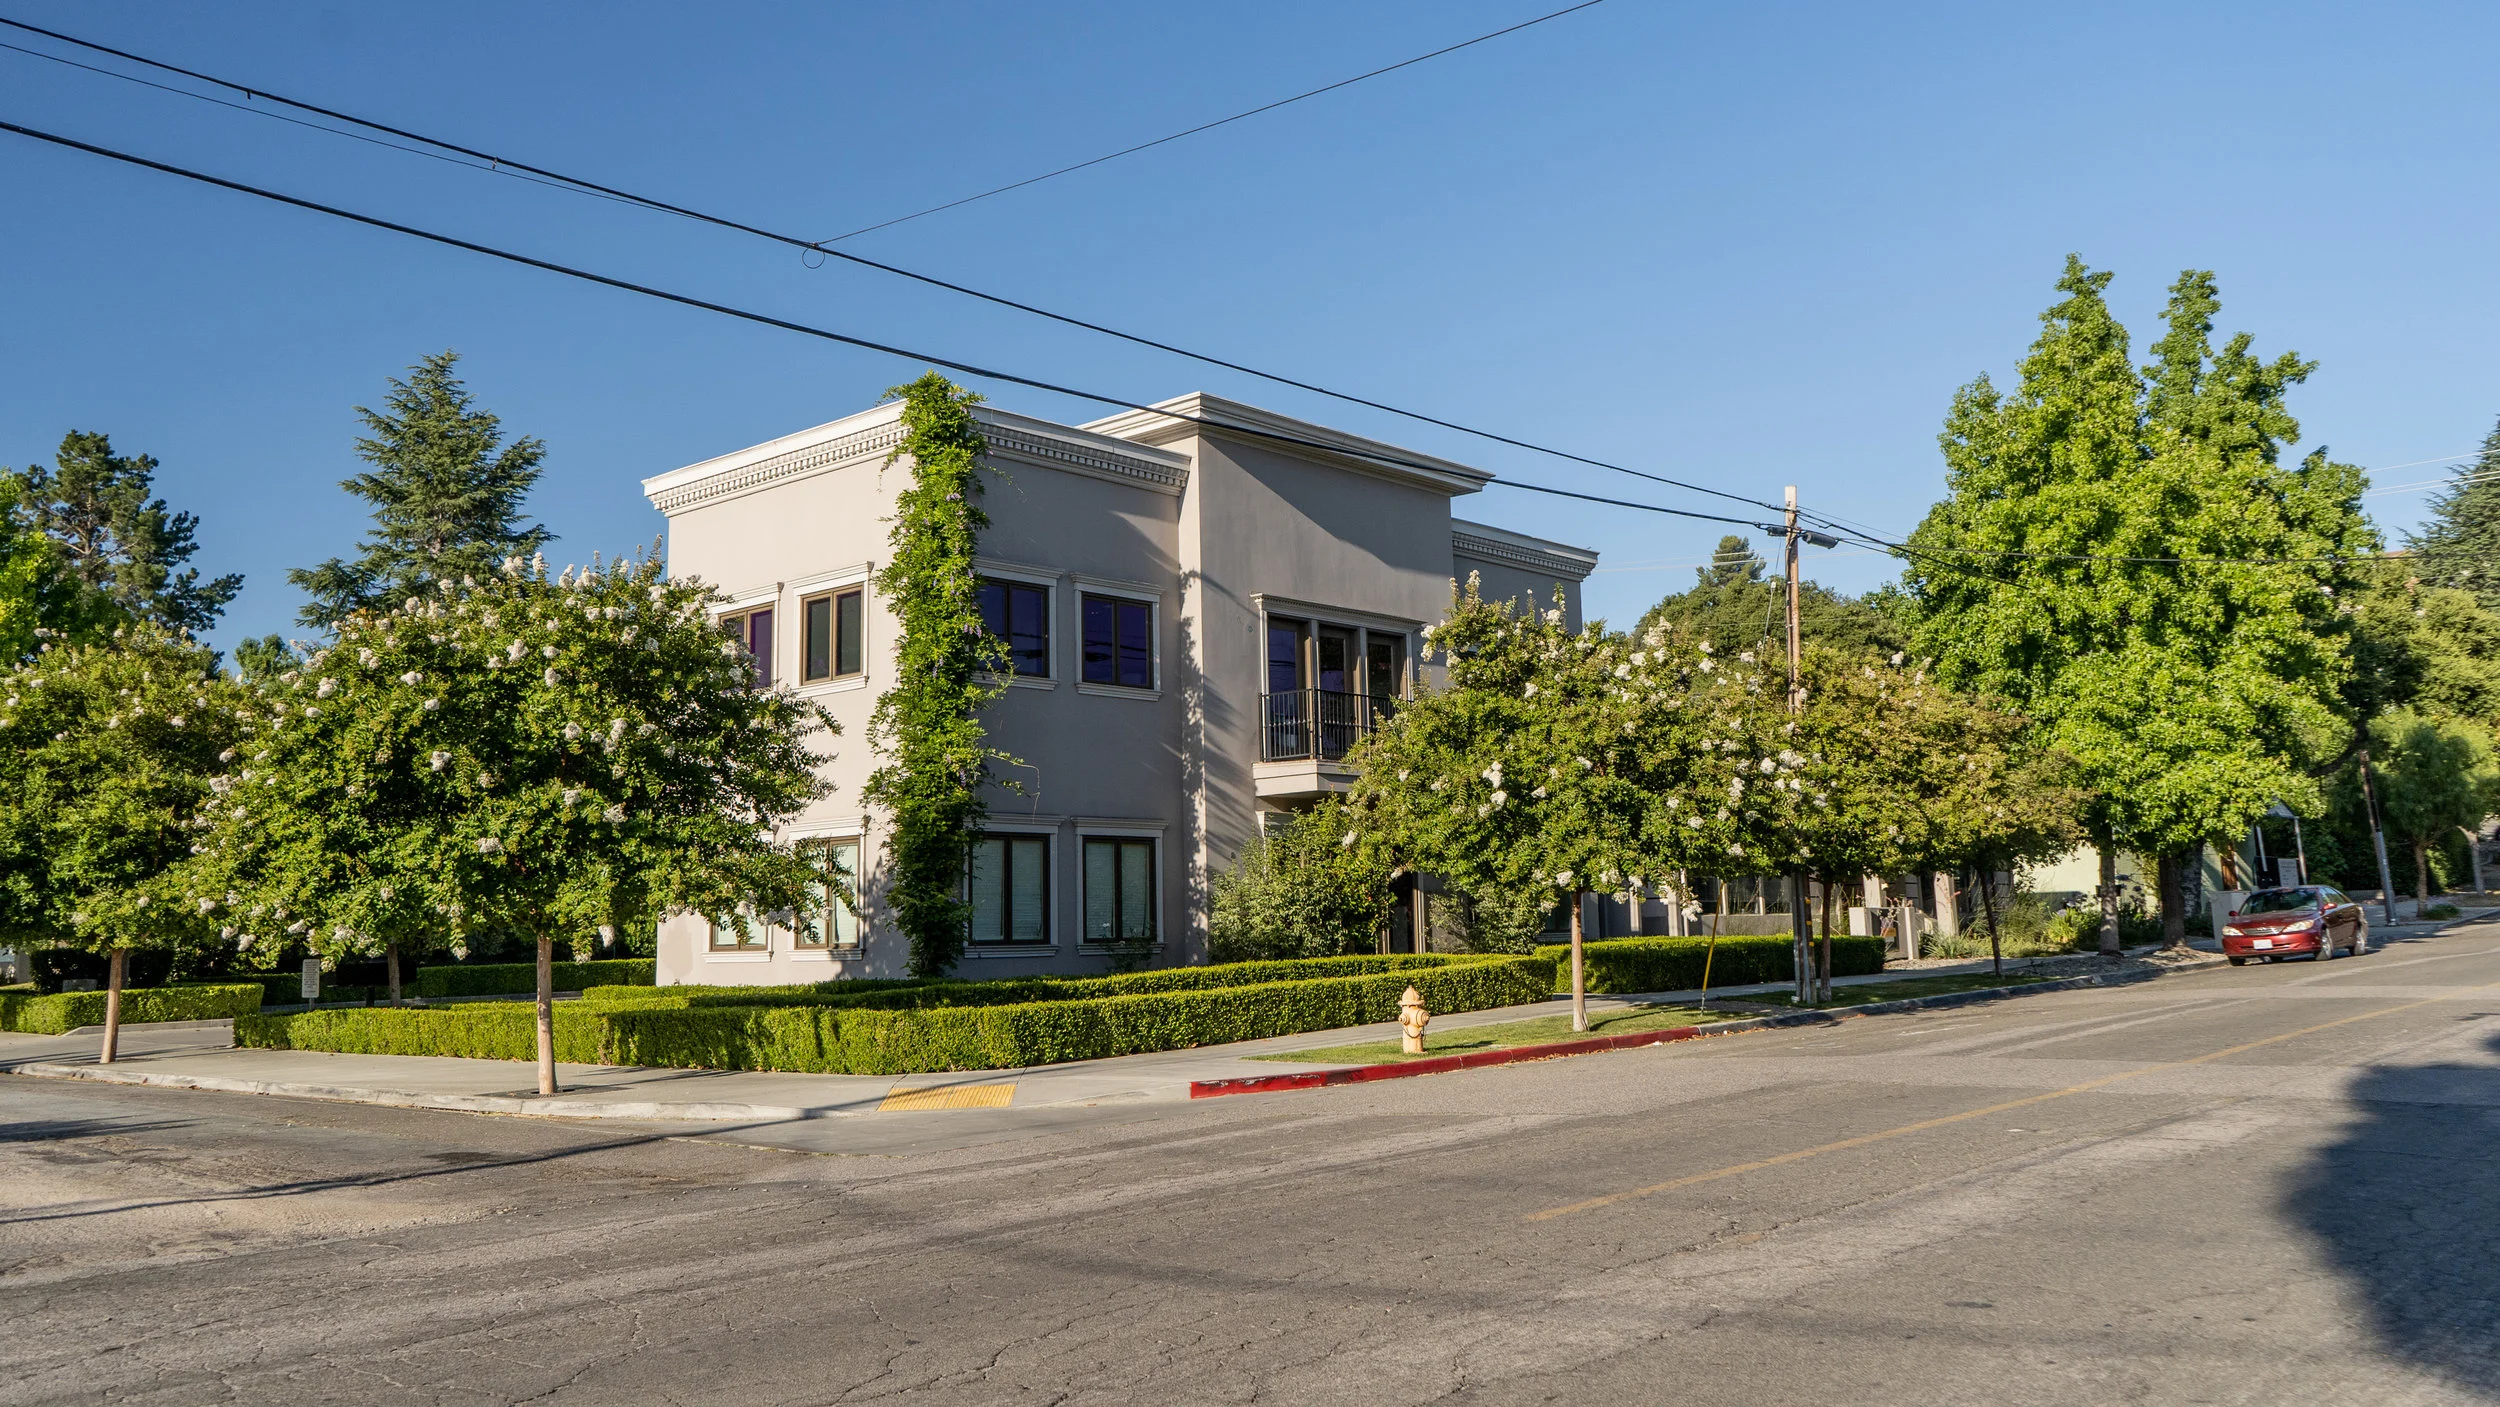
<point x="1020" y="615"/>
<point x="1119" y="642"/>
<point x="2267" y="901"/>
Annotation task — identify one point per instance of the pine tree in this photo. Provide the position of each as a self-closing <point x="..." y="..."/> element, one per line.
<point x="1733" y="606"/>
<point x="120" y="553"/>
<point x="2460" y="545"/>
<point x="446" y="494"/>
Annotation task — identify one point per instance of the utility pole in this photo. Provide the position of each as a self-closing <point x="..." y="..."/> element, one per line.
<point x="1800" y="933"/>
<point x="2378" y="838"/>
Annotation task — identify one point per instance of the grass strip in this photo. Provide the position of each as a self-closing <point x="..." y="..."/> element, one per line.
<point x="1536" y="1030"/>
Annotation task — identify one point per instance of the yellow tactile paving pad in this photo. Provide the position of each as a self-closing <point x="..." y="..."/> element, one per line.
<point x="912" y="1101"/>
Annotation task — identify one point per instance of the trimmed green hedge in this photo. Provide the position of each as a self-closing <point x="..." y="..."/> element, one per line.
<point x="907" y="995"/>
<point x="67" y="1011"/>
<point x="855" y="1040"/>
<point x="1675" y="964"/>
<point x="479" y="1031"/>
<point x="496" y="979"/>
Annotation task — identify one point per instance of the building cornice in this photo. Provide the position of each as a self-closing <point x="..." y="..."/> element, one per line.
<point x="1487" y="543"/>
<point x="874" y="434"/>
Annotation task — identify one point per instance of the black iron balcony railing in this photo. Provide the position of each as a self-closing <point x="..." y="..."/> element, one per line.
<point x="1316" y="723"/>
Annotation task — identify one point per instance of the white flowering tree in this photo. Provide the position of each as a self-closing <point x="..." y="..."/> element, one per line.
<point x="107" y="754"/>
<point x="560" y="757"/>
<point x="1561" y="764"/>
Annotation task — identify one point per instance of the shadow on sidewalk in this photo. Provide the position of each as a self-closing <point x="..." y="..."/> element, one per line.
<point x="2406" y="1208"/>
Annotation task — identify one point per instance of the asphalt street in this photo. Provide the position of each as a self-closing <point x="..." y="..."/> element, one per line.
<point x="2257" y="1185"/>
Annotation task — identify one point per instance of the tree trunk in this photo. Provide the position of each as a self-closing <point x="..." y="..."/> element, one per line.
<point x="547" y="1012"/>
<point x="2421" y="875"/>
<point x="1579" y="973"/>
<point x="390" y="959"/>
<point x="2109" y="900"/>
<point x="113" y="1007"/>
<point x="2173" y="901"/>
<point x="1988" y="901"/>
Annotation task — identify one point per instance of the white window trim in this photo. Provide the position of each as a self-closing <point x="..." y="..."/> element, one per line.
<point x="856" y="829"/>
<point x="1122" y="591"/>
<point x="828" y="585"/>
<point x="1050" y="582"/>
<point x="1116" y="830"/>
<point x="1049" y="836"/>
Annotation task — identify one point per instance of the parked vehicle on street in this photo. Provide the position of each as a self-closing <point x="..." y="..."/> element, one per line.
<point x="2314" y="921"/>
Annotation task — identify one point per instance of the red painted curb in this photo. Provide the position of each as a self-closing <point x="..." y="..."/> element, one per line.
<point x="1364" y="1074"/>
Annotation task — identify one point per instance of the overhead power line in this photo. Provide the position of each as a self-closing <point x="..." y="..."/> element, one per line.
<point x="503" y="165"/>
<point x="827" y="334"/>
<point x="1211" y="126"/>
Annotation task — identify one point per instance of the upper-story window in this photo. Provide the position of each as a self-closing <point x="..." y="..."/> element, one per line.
<point x="754" y="629"/>
<point x="1019" y="613"/>
<point x="1119" y="642"/>
<point x="834" y="626"/>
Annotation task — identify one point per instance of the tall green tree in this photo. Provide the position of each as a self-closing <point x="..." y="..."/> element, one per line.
<point x="1736" y="605"/>
<point x="2421" y="646"/>
<point x="29" y="569"/>
<point x="108" y="754"/>
<point x="446" y="492"/>
<point x="2084" y="568"/>
<point x="2460" y="544"/>
<point x="560" y="758"/>
<point x="120" y="551"/>
<point x="2438" y="775"/>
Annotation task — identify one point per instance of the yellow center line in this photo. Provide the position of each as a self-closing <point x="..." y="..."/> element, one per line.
<point x="1923" y="1125"/>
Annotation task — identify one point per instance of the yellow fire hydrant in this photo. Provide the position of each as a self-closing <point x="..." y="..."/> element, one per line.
<point x="1412" y="1018"/>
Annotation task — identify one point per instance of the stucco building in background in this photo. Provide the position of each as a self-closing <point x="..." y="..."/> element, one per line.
<point x="1206" y="605"/>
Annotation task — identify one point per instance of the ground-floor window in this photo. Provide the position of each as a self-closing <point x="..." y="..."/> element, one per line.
<point x="1119" y="891"/>
<point x="744" y="933"/>
<point x="1009" y="889"/>
<point x="837" y="924"/>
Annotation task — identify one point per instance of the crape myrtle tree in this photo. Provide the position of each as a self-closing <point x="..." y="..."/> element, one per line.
<point x="2437" y="776"/>
<point x="559" y="757"/>
<point x="1558" y="764"/>
<point x="1905" y="775"/>
<point x="2091" y="566"/>
<point x="108" y="751"/>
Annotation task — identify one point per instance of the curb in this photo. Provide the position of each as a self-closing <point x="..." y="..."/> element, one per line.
<point x="1555" y="1050"/>
<point x="644" y="1110"/>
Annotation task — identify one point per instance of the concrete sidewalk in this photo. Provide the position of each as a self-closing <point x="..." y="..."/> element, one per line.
<point x="201" y="1055"/>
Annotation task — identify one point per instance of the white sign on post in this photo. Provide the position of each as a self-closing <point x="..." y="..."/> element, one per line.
<point x="2286" y="874"/>
<point x="312" y="979"/>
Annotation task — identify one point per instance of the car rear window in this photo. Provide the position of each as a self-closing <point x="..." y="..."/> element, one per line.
<point x="2266" y="901"/>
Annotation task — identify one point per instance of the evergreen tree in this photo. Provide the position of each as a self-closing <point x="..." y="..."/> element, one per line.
<point x="1735" y="605"/>
<point x="446" y="494"/>
<point x="119" y="553"/>
<point x="2460" y="545"/>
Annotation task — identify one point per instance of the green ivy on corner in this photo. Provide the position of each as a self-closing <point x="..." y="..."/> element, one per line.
<point x="928" y="726"/>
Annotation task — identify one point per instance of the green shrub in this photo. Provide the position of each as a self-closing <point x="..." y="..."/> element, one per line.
<point x="1298" y="892"/>
<point x="478" y="1031"/>
<point x="2440" y="911"/>
<point x="67" y="1011"/>
<point x="496" y="979"/>
<point x="1675" y="964"/>
<point x="907" y="995"/>
<point x="786" y="1033"/>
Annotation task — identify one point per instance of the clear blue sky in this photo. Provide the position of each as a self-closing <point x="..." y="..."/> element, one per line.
<point x="1749" y="248"/>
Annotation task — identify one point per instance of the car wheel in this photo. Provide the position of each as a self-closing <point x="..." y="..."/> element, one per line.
<point x="2326" y="949"/>
<point x="2239" y="962"/>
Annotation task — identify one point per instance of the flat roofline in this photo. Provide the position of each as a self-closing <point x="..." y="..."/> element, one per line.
<point x="1199" y="412"/>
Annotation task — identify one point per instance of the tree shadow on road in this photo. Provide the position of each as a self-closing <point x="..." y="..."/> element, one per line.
<point x="2406" y="1207"/>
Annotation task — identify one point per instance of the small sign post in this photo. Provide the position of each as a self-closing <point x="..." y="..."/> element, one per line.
<point x="312" y="979"/>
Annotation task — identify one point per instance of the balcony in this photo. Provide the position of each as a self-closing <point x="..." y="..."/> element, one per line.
<point x="1316" y="725"/>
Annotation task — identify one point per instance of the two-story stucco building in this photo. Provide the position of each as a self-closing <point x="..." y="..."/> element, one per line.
<point x="1206" y="605"/>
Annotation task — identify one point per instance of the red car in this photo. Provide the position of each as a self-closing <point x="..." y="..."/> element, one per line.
<point x="2312" y="921"/>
